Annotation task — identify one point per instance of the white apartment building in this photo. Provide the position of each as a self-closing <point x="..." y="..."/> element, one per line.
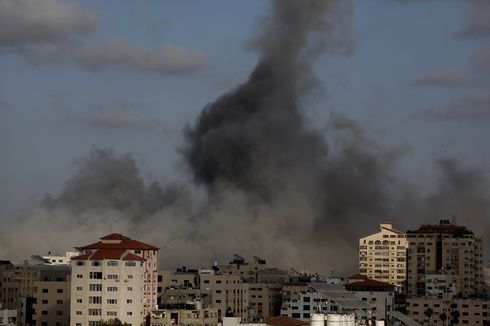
<point x="382" y="255"/>
<point x="113" y="278"/>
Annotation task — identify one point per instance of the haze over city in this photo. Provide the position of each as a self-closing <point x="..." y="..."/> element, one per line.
<point x="282" y="130"/>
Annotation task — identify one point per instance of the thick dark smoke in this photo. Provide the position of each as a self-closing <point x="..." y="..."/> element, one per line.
<point x="266" y="183"/>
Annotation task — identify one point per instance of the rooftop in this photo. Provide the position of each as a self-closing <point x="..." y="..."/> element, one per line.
<point x="118" y="241"/>
<point x="444" y="227"/>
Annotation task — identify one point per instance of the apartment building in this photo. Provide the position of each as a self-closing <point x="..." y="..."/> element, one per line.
<point x="240" y="266"/>
<point x="445" y="249"/>
<point x="455" y="311"/>
<point x="379" y="295"/>
<point x="52" y="297"/>
<point x="262" y="300"/>
<point x="227" y="293"/>
<point x="382" y="256"/>
<point x="194" y="316"/>
<point x="113" y="278"/>
<point x="301" y="300"/>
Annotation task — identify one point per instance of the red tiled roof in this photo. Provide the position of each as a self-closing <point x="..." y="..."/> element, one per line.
<point x="115" y="236"/>
<point x="124" y="243"/>
<point x="81" y="257"/>
<point x="358" y="277"/>
<point x="107" y="254"/>
<point x="101" y="254"/>
<point x="285" y="321"/>
<point x="369" y="282"/>
<point x="131" y="256"/>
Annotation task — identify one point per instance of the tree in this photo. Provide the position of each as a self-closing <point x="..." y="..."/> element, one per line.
<point x="428" y="313"/>
<point x="112" y="322"/>
<point x="443" y="317"/>
<point x="455" y="317"/>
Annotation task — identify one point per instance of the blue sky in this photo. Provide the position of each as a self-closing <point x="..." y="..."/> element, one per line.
<point x="418" y="78"/>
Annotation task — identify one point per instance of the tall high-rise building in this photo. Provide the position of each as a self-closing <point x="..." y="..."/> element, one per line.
<point x="113" y="278"/>
<point x="382" y="255"/>
<point x="446" y="249"/>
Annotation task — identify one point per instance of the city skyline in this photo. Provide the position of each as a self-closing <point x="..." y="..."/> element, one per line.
<point x="385" y="119"/>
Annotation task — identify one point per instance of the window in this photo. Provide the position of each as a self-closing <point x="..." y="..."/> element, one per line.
<point x="80" y="263"/>
<point x="79" y="275"/>
<point x="130" y="276"/>
<point x="95" y="287"/>
<point x="95" y="300"/>
<point x="95" y="312"/>
<point x="112" y="263"/>
<point x="59" y="313"/>
<point x="112" y="277"/>
<point x="112" y="289"/>
<point x="137" y="252"/>
<point x="45" y="291"/>
<point x="112" y="301"/>
<point x="130" y="263"/>
<point x="44" y="312"/>
<point x="129" y="313"/>
<point x="79" y="313"/>
<point x="59" y="290"/>
<point x="95" y="275"/>
<point x="59" y="301"/>
<point x="129" y="301"/>
<point x="44" y="301"/>
<point x="130" y="288"/>
<point x="79" y="288"/>
<point x="112" y="313"/>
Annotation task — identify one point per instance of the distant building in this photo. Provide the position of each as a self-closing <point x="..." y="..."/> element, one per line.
<point x="445" y="249"/>
<point x="52" y="297"/>
<point x="60" y="260"/>
<point x="301" y="300"/>
<point x="194" y="316"/>
<point x="113" y="278"/>
<point x="465" y="311"/>
<point x="380" y="296"/>
<point x="8" y="317"/>
<point x="262" y="300"/>
<point x="382" y="256"/>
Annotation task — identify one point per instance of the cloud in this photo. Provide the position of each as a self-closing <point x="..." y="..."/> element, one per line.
<point x="33" y="21"/>
<point x="166" y="59"/>
<point x="480" y="59"/>
<point x="473" y="107"/>
<point x="478" y="23"/>
<point x="122" y="120"/>
<point x="443" y="78"/>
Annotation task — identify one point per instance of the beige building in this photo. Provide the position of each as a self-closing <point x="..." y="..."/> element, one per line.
<point x="382" y="255"/>
<point x="262" y="300"/>
<point x="113" y="278"/>
<point x="194" y="317"/>
<point x="447" y="249"/>
<point x="227" y="293"/>
<point x="245" y="268"/>
<point x="52" y="297"/>
<point x="471" y="312"/>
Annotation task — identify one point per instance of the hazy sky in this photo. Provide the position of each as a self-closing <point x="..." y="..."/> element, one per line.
<point x="120" y="75"/>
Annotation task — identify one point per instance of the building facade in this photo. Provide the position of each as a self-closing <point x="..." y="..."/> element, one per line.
<point x="455" y="311"/>
<point x="445" y="249"/>
<point x="382" y="256"/>
<point x="114" y="278"/>
<point x="52" y="297"/>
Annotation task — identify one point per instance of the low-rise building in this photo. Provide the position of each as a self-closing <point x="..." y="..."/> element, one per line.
<point x="379" y="295"/>
<point x="300" y="301"/>
<point x="460" y="311"/>
<point x="52" y="297"/>
<point x="8" y="317"/>
<point x="194" y="316"/>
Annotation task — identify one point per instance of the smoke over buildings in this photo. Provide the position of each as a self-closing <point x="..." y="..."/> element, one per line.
<point x="264" y="181"/>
